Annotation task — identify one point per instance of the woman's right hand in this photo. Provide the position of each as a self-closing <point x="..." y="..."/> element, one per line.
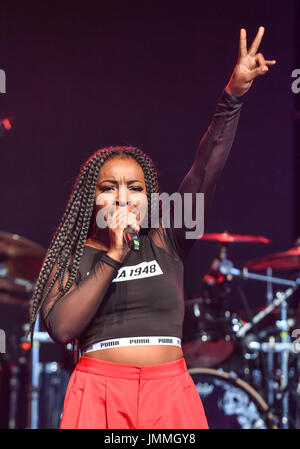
<point x="117" y="222"/>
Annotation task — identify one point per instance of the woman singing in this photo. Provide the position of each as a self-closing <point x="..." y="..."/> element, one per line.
<point x="125" y="307"/>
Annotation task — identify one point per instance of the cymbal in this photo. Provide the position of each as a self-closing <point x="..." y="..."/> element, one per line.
<point x="13" y="245"/>
<point x="226" y="237"/>
<point x="12" y="293"/>
<point x="20" y="263"/>
<point x="23" y="267"/>
<point x="285" y="260"/>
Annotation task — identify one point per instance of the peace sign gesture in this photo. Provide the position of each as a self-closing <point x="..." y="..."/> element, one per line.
<point x="250" y="64"/>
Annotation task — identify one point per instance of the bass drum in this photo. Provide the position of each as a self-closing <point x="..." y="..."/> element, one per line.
<point x="209" y="331"/>
<point x="229" y="402"/>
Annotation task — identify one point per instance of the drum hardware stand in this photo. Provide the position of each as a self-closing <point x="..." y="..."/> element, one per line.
<point x="270" y="354"/>
<point x="15" y="383"/>
<point x="226" y="267"/>
<point x="297" y="424"/>
<point x="280" y="298"/>
<point x="284" y="334"/>
<point x="34" y="390"/>
<point x="13" y="396"/>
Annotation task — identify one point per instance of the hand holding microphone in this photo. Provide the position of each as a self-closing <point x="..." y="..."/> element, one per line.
<point x="131" y="238"/>
<point x="123" y="230"/>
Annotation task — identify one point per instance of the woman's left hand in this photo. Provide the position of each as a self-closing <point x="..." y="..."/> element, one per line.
<point x="250" y="64"/>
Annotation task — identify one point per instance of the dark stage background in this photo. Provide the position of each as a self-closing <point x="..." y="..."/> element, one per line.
<point x="147" y="74"/>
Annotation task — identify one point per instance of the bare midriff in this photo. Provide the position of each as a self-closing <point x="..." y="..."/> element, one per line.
<point x="138" y="355"/>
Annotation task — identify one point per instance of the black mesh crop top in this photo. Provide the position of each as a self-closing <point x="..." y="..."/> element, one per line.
<point x="145" y="296"/>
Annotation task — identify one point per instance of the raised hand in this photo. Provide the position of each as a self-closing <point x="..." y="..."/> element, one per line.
<point x="250" y="64"/>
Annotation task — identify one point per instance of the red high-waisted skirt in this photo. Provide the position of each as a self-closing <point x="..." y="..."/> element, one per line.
<point x="109" y="395"/>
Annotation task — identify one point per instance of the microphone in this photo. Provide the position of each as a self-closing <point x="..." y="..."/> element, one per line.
<point x="131" y="238"/>
<point x="130" y="235"/>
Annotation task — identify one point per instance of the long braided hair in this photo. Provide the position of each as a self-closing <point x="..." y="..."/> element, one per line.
<point x="78" y="223"/>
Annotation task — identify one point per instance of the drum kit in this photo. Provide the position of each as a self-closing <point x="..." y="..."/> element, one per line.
<point x="245" y="364"/>
<point x="32" y="382"/>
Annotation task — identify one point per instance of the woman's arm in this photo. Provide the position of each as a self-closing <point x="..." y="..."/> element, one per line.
<point x="208" y="164"/>
<point x="215" y="145"/>
<point x="66" y="318"/>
